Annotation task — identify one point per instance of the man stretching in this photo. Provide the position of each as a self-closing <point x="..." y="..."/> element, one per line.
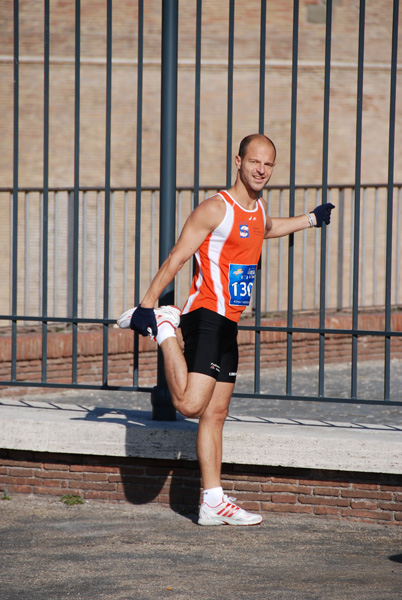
<point x="225" y="233"/>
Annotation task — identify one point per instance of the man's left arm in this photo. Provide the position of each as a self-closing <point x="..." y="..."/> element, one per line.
<point x="281" y="226"/>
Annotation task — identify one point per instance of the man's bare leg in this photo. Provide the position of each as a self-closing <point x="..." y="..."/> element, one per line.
<point x="191" y="392"/>
<point x="209" y="440"/>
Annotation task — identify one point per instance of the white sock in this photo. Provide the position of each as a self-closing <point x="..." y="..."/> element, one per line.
<point x="213" y="496"/>
<point x="165" y="330"/>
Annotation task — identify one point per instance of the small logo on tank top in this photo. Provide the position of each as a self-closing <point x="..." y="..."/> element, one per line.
<point x="244" y="231"/>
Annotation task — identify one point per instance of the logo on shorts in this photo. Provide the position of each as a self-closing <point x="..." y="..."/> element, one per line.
<point x="244" y="231"/>
<point x="232" y="374"/>
<point x="215" y="367"/>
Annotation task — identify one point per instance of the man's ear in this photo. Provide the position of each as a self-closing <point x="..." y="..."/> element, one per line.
<point x="237" y="161"/>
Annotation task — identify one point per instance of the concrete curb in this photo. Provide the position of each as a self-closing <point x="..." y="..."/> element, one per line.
<point x="60" y="428"/>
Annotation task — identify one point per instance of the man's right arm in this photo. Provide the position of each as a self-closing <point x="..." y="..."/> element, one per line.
<point x="204" y="219"/>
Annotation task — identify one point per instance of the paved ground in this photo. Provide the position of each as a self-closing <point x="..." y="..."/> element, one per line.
<point x="305" y="382"/>
<point x="101" y="552"/>
<point x="124" y="552"/>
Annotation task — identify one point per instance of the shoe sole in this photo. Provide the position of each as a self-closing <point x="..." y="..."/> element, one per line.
<point x="206" y="522"/>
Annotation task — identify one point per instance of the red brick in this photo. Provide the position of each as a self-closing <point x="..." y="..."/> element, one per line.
<point x="22" y="472"/>
<point x="117" y="496"/>
<point x="365" y="486"/>
<point x="20" y="489"/>
<point x="395" y="506"/>
<point x="96" y="477"/>
<point x="369" y="495"/>
<point x="322" y="500"/>
<point x="367" y="514"/>
<point x="326" y="510"/>
<point x="364" y="505"/>
<point x="50" y="474"/>
<point x="46" y="491"/>
<point x="283" y="499"/>
<point x="90" y="495"/>
<point x="296" y="489"/>
<point x="318" y="483"/>
<point x="247" y="486"/>
<point x="286" y="508"/>
<point x="326" y="491"/>
<point x="287" y="480"/>
<point x="56" y="467"/>
<point x="93" y="485"/>
<point x="53" y="483"/>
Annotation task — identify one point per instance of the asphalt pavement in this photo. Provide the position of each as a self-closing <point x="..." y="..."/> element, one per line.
<point x="101" y="551"/>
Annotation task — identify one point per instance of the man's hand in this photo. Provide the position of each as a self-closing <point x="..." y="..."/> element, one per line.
<point x="143" y="319"/>
<point x="323" y="214"/>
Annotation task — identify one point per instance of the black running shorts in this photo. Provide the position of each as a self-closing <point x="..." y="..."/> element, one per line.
<point x="210" y="344"/>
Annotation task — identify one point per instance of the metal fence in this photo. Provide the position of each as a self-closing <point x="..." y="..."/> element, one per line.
<point x="124" y="264"/>
<point x="80" y="256"/>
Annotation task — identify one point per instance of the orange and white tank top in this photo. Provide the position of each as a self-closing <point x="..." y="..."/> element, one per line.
<point x="227" y="261"/>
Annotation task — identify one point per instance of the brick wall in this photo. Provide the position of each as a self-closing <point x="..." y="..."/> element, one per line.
<point x="372" y="498"/>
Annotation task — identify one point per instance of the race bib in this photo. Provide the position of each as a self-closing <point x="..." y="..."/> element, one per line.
<point x="241" y="279"/>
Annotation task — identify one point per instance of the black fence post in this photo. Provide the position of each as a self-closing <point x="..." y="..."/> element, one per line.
<point x="162" y="407"/>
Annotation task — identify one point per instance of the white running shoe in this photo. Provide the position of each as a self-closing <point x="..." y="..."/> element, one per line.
<point x="226" y="513"/>
<point x="166" y="314"/>
<point x="124" y="320"/>
<point x="163" y="314"/>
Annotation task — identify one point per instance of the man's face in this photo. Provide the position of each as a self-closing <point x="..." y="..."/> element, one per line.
<point x="255" y="169"/>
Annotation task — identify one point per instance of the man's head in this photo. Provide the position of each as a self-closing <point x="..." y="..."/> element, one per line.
<point x="255" y="162"/>
<point x="249" y="138"/>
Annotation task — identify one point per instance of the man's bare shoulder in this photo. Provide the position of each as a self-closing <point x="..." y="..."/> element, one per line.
<point x="211" y="210"/>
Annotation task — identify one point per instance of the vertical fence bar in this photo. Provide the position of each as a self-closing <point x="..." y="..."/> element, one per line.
<point x="321" y="376"/>
<point x="26" y="255"/>
<point x="98" y="252"/>
<point x="161" y="402"/>
<point x="75" y="206"/>
<point x="280" y="258"/>
<point x="230" y="95"/>
<point x="341" y="223"/>
<point x="261" y="120"/>
<point x="106" y="249"/>
<point x="263" y="36"/>
<point x="304" y="267"/>
<point x="125" y="250"/>
<point x="56" y="255"/>
<point x="398" y="249"/>
<point x="390" y="200"/>
<point x="356" y="237"/>
<point x="138" y="181"/>
<point x="364" y="260"/>
<point x="197" y="105"/>
<point x="268" y="259"/>
<point x="14" y="222"/>
<point x="292" y="193"/>
<point x="84" y="254"/>
<point x="45" y="197"/>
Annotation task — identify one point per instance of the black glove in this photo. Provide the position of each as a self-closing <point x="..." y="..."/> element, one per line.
<point x="323" y="213"/>
<point x="142" y="319"/>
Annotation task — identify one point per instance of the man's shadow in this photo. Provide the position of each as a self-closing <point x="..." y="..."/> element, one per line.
<point x="170" y="473"/>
